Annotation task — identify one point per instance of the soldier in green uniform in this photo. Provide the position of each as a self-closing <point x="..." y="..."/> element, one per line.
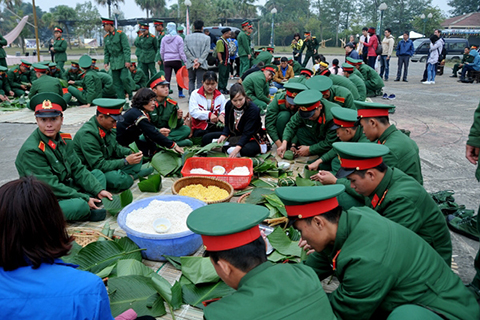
<point x="138" y="76"/>
<point x="257" y="86"/>
<point x="73" y="75"/>
<point x="49" y="155"/>
<point x="108" y="90"/>
<point x="149" y="46"/>
<point x="97" y="147"/>
<point x="373" y="82"/>
<point x="311" y="43"/>
<point x="19" y="77"/>
<point x="94" y="64"/>
<point x="117" y="55"/>
<point x="348" y="72"/>
<point x="341" y="81"/>
<point x="60" y="48"/>
<point x="245" y="46"/>
<point x="264" y="56"/>
<point x="159" y="28"/>
<point x="92" y="84"/>
<point x="356" y="63"/>
<point x="3" y="54"/>
<point x="280" y="110"/>
<point x="46" y="83"/>
<point x="305" y="74"/>
<point x="223" y="57"/>
<point x="54" y="71"/>
<point x="311" y="124"/>
<point x="136" y="43"/>
<point x="297" y="67"/>
<point x="180" y="32"/>
<point x="467" y="58"/>
<point x="336" y="94"/>
<point x="4" y="84"/>
<point x="167" y="109"/>
<point x="384" y="269"/>
<point x="236" y="248"/>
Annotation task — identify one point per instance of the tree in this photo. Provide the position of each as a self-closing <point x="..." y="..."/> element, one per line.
<point x="109" y="3"/>
<point x="461" y="7"/>
<point x="430" y="24"/>
<point x="88" y="19"/>
<point x="146" y="5"/>
<point x="66" y="16"/>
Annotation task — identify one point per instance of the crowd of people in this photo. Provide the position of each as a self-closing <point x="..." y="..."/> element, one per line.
<point x="371" y="223"/>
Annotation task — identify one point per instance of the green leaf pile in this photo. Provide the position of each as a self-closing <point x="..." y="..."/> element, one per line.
<point x="118" y="203"/>
<point x="152" y="184"/>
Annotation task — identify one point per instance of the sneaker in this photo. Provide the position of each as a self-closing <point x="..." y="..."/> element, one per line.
<point x="391" y="97"/>
<point x="432" y="82"/>
<point x="385" y="79"/>
<point x="385" y="96"/>
<point x="426" y="82"/>
<point x="181" y="95"/>
<point x="405" y="80"/>
<point x="396" y="80"/>
<point x="453" y="76"/>
<point x="466" y="226"/>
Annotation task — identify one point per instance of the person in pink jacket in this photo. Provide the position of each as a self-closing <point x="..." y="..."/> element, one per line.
<point x="372" y="45"/>
<point x="172" y="53"/>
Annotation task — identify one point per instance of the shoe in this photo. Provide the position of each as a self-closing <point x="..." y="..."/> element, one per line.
<point x="465" y="226"/>
<point x="385" y="79"/>
<point x="391" y="97"/>
<point x="231" y="77"/>
<point x="464" y="213"/>
<point x="396" y="80"/>
<point x="423" y="80"/>
<point x="453" y="76"/>
<point x="405" y="80"/>
<point x="385" y="96"/>
<point x="426" y="82"/>
<point x="180" y="94"/>
<point x="97" y="215"/>
<point x="432" y="82"/>
<point x="185" y="143"/>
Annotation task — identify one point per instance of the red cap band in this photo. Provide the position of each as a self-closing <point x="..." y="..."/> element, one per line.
<point x="344" y="124"/>
<point x="312" y="209"/>
<point x="291" y="94"/>
<point x="309" y="72"/>
<point x="231" y="241"/>
<point x="47" y="106"/>
<point x="312" y="107"/>
<point x="360" y="164"/>
<point x="40" y="70"/>
<point x="348" y="68"/>
<point x="107" y="22"/>
<point x="25" y="65"/>
<point x="144" y="27"/>
<point x="270" y="69"/>
<point x="157" y="81"/>
<point x="158" y="23"/>
<point x="368" y="113"/>
<point x="109" y="111"/>
<point x="245" y="24"/>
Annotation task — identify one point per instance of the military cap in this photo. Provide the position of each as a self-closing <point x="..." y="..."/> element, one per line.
<point x="3" y="69"/>
<point x="158" y="22"/>
<point x="270" y="67"/>
<point x="354" y="62"/>
<point x="307" y="33"/>
<point x="57" y="29"/>
<point x="180" y="29"/>
<point x="45" y="63"/>
<point x="373" y="109"/>
<point x="108" y="21"/>
<point x="257" y="51"/>
<point x="157" y="79"/>
<point x="144" y="26"/>
<point x="343" y="117"/>
<point x="225" y="226"/>
<point x="319" y="83"/>
<point x="47" y="105"/>
<point x="94" y="60"/>
<point x="358" y="156"/>
<point x="38" y="67"/>
<point x="246" y="23"/>
<point x="25" y="63"/>
<point x="277" y="57"/>
<point x="308" y="101"/>
<point x="270" y="49"/>
<point x="52" y="64"/>
<point x="74" y="65"/>
<point x="306" y="202"/>
<point x="85" y="62"/>
<point x="110" y="107"/>
<point x="474" y="47"/>
<point x="224" y="30"/>
<point x="261" y="49"/>
<point x="306" y="71"/>
<point x="347" y="67"/>
<point x="292" y="90"/>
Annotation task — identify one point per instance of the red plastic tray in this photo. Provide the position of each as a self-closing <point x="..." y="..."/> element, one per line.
<point x="237" y="182"/>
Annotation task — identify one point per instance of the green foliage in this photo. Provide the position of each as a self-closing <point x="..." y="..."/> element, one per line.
<point x="14" y="104"/>
<point x="152" y="184"/>
<point x="198" y="270"/>
<point x="118" y="203"/>
<point x="88" y="19"/>
<point x="195" y="295"/>
<point x="166" y="162"/>
<point x="461" y="7"/>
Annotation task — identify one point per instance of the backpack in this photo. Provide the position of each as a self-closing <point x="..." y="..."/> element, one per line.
<point x="232" y="47"/>
<point x="379" y="49"/>
<point x="443" y="54"/>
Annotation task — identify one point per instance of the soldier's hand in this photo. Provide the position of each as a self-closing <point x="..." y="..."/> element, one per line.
<point x="179" y="114"/>
<point x="303" y="151"/>
<point x="297" y="54"/>
<point x="92" y="203"/>
<point x="305" y="246"/>
<point x="213" y="118"/>
<point x="472" y="154"/>
<point x="325" y="177"/>
<point x="3" y="98"/>
<point x="71" y="82"/>
<point x="178" y="149"/>
<point x="165" y="131"/>
<point x="24" y="87"/>
<point x="314" y="165"/>
<point x="314" y="51"/>
<point x="159" y="63"/>
<point x="281" y="150"/>
<point x="134" y="158"/>
<point x="11" y="93"/>
<point x="127" y="64"/>
<point x="106" y="66"/>
<point x="104" y="194"/>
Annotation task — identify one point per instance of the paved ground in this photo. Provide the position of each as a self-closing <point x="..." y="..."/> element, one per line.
<point x="439" y="117"/>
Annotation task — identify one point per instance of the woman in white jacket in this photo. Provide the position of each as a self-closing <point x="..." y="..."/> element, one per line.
<point x="207" y="107"/>
<point x="435" y="49"/>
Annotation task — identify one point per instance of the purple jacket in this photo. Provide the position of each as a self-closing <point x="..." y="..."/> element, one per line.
<point x="172" y="49"/>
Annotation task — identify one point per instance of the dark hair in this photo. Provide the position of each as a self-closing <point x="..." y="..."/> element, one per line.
<point x="237" y="32"/>
<point x="284" y="59"/>
<point x="364" y="29"/>
<point x="260" y="64"/>
<point x="438" y="30"/>
<point x="335" y="63"/>
<point x="434" y="38"/>
<point x="245" y="257"/>
<point x="317" y="57"/>
<point x="142" y="98"/>
<point x="382" y="167"/>
<point x="296" y="35"/>
<point x="407" y="33"/>
<point x="389" y="30"/>
<point x="383" y="120"/>
<point x="210" y="75"/>
<point x="32" y="225"/>
<point x="332" y="216"/>
<point x="198" y="24"/>
<point x="467" y="48"/>
<point x="236" y="89"/>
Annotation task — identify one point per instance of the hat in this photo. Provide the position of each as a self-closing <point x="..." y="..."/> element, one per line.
<point x="38" y="67"/>
<point x="323" y="64"/>
<point x="246" y="23"/>
<point x="373" y="109"/>
<point x="225" y="226"/>
<point x="354" y="62"/>
<point x="261" y="48"/>
<point x="349" y="45"/>
<point x="57" y="29"/>
<point x="157" y="79"/>
<point x="319" y="83"/>
<point x="47" y="105"/>
<point x="226" y="30"/>
<point x="25" y="63"/>
<point x="474" y="47"/>
<point x="3" y="69"/>
<point x="158" y="22"/>
<point x="347" y="67"/>
<point x="307" y="33"/>
<point x="292" y="90"/>
<point x="52" y="64"/>
<point x="306" y="202"/>
<point x="94" y="60"/>
<point x="343" y="118"/>
<point x="306" y="71"/>
<point x="277" y="57"/>
<point x="110" y="107"/>
<point x="180" y="29"/>
<point x="85" y="62"/>
<point x="358" y="156"/>
<point x="108" y="21"/>
<point x="144" y="26"/>
<point x="44" y="62"/>
<point x="307" y="101"/>
<point x="371" y="30"/>
<point x="270" y="49"/>
<point x="271" y="68"/>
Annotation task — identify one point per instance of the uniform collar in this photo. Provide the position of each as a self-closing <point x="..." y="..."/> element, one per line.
<point x="52" y="143"/>
<point x="340" y="237"/>
<point x="252" y="273"/>
<point x="378" y="195"/>
<point x="384" y="136"/>
<point x="101" y="130"/>
<point x="358" y="134"/>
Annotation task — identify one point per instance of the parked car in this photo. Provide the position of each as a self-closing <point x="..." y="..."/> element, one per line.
<point x="217" y="32"/>
<point x="454" y="47"/>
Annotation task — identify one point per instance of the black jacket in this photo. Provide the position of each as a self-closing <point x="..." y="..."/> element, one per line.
<point x="249" y="124"/>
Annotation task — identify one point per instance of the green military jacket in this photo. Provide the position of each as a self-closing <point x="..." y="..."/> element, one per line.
<point x="139" y="78"/>
<point x="256" y="86"/>
<point x="274" y="291"/>
<point x="382" y="265"/>
<point x="149" y="46"/>
<point x="466" y="58"/>
<point x="264" y="56"/>
<point x="346" y="83"/>
<point x="301" y="79"/>
<point x="92" y="85"/>
<point x="74" y="76"/>
<point x="274" y="108"/>
<point x="332" y="154"/>
<point x="342" y="96"/>
<point x="117" y="49"/>
<point x="56" y="163"/>
<point x="244" y="44"/>
<point x="373" y="82"/>
<point x="158" y="56"/>
<point x="474" y="136"/>
<point x="161" y="114"/>
<point x="108" y="90"/>
<point x="319" y="128"/>
<point x="56" y="74"/>
<point x="16" y="77"/>
<point x="360" y="84"/>
<point x="98" y="148"/>
<point x="138" y="50"/>
<point x="358" y="74"/>
<point x="45" y="83"/>
<point x="3" y="42"/>
<point x="60" y="47"/>
<point x="297" y="67"/>
<point x="311" y="45"/>
<point x="4" y="85"/>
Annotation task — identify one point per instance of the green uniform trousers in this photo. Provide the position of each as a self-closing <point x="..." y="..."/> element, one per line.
<point x="60" y="65"/>
<point x="179" y="133"/>
<point x="456" y="67"/>
<point x="244" y="64"/>
<point x="77" y="209"/>
<point x="80" y="95"/>
<point x="412" y="312"/>
<point x="308" y="55"/>
<point x="305" y="137"/>
<point x="146" y="67"/>
<point x="121" y="180"/>
<point x="18" y="92"/>
<point x="3" y="62"/>
<point x="282" y="119"/>
<point x="476" y="279"/>
<point x="222" y="76"/>
<point x="121" y="82"/>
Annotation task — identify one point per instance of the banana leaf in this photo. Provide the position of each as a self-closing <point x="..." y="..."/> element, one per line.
<point x="276" y="257"/>
<point x="282" y="243"/>
<point x="118" y="203"/>
<point x="266" y="166"/>
<point x="294" y="234"/>
<point x="165" y="162"/>
<point x="175" y="261"/>
<point x="106" y="271"/>
<point x="173" y="120"/>
<point x="198" y="270"/>
<point x="242" y="192"/>
<point x="195" y="295"/>
<point x="273" y="173"/>
<point x="258" y="195"/>
<point x="259" y="183"/>
<point x="209" y="147"/>
<point x="63" y="83"/>
<point x="275" y="201"/>
<point x="306" y="182"/>
<point x="308" y="173"/>
<point x="73" y="252"/>
<point x="136" y="292"/>
<point x="152" y="184"/>
<point x="274" y="213"/>
<point x="176" y="301"/>
<point x="264" y="156"/>
<point x="288" y="155"/>
<point x="187" y="154"/>
<point x="216" y="154"/>
<point x="133" y="146"/>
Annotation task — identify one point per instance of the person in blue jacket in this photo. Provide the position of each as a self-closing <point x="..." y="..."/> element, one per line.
<point x="404" y="51"/>
<point x="470" y="66"/>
